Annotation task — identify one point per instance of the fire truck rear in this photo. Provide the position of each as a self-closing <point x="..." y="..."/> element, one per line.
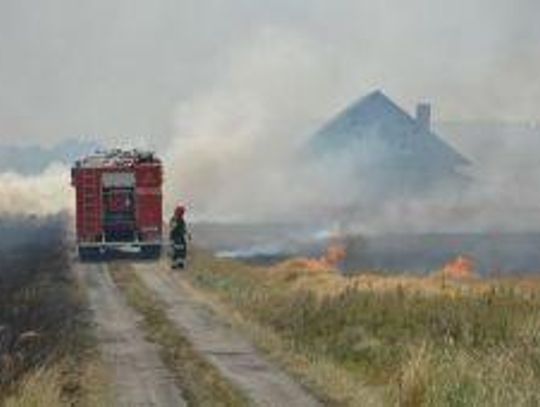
<point x="119" y="203"/>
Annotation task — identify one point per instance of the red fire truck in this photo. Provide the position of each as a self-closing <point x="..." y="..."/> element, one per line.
<point x="119" y="203"/>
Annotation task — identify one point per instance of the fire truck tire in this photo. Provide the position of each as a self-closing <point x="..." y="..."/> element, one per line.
<point x="151" y="252"/>
<point x="90" y="254"/>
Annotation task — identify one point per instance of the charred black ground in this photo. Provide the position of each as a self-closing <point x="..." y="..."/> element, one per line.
<point x="493" y="253"/>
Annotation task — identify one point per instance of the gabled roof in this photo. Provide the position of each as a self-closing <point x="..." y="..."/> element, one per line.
<point x="376" y="116"/>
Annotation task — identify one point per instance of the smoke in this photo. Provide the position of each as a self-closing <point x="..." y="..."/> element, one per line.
<point x="503" y="196"/>
<point x="44" y="194"/>
<point x="478" y="59"/>
<point x="236" y="154"/>
<point x="249" y="100"/>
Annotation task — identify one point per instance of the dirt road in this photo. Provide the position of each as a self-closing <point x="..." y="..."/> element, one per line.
<point x="232" y="354"/>
<point x="138" y="376"/>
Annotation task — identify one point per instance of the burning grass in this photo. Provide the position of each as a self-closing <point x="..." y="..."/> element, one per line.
<point x="329" y="261"/>
<point x="45" y="344"/>
<point x="446" y="339"/>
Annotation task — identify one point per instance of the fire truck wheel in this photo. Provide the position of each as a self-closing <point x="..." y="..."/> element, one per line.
<point x="151" y="252"/>
<point x="90" y="254"/>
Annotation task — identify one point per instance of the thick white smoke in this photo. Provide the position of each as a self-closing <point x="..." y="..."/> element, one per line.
<point x="47" y="193"/>
<point x="235" y="154"/>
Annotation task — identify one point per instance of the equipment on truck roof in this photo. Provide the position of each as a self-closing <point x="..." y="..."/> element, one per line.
<point x="118" y="202"/>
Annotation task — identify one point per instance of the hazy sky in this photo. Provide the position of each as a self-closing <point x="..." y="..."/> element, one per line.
<point x="113" y="68"/>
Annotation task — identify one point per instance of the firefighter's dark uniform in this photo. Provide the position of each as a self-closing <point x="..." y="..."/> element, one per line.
<point x="178" y="234"/>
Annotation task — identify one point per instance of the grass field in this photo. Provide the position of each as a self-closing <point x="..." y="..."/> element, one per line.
<point x="388" y="340"/>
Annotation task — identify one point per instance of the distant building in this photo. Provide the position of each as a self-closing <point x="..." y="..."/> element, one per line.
<point x="391" y="152"/>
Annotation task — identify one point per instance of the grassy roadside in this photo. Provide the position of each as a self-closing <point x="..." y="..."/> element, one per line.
<point x="62" y="384"/>
<point x="387" y="340"/>
<point x="48" y="355"/>
<point x="71" y="375"/>
<point x="201" y="383"/>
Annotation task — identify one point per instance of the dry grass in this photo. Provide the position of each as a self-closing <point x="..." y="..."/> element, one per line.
<point x="329" y="282"/>
<point x="404" y="340"/>
<point x="201" y="382"/>
<point x="94" y="381"/>
<point x="63" y="385"/>
<point x="41" y="388"/>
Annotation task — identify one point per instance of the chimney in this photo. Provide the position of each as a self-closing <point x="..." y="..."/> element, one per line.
<point x="423" y="116"/>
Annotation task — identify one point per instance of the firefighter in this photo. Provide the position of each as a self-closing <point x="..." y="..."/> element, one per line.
<point x="178" y="237"/>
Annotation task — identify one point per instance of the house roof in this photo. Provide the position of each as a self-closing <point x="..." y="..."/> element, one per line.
<point x="377" y="117"/>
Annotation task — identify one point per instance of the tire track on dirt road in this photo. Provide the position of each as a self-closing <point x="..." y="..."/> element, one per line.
<point x="138" y="376"/>
<point x="233" y="355"/>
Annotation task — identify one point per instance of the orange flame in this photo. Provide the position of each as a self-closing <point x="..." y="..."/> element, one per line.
<point x="461" y="268"/>
<point x="334" y="254"/>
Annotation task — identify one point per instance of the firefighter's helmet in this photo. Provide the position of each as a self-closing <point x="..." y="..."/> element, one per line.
<point x="179" y="211"/>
